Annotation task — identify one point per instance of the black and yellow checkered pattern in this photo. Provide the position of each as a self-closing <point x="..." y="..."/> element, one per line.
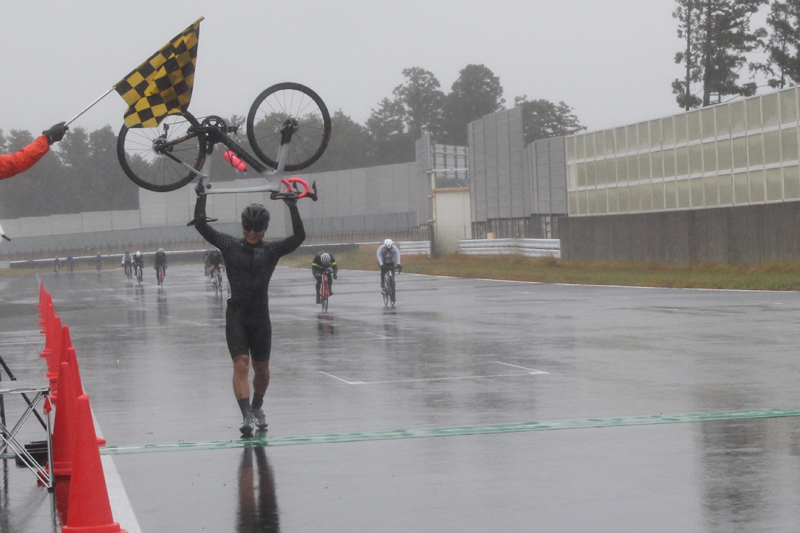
<point x="162" y="85"/>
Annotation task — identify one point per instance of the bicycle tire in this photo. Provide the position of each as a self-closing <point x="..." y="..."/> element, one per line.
<point x="269" y="112"/>
<point x="153" y="171"/>
<point x="326" y="291"/>
<point x="386" y="290"/>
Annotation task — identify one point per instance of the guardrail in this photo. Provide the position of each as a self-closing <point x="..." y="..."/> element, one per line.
<point x="526" y="247"/>
<point x="406" y="247"/>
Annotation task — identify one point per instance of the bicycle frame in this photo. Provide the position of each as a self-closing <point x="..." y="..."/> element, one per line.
<point x="213" y="134"/>
<point x="325" y="288"/>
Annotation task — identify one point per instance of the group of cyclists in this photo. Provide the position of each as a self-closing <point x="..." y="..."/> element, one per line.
<point x="388" y="260"/>
<point x="133" y="265"/>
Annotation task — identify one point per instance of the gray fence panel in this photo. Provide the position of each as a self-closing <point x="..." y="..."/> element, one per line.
<point x="125" y="220"/>
<point x="63" y="224"/>
<point x="96" y="221"/>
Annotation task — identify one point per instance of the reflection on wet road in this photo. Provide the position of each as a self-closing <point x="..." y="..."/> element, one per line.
<point x="441" y="414"/>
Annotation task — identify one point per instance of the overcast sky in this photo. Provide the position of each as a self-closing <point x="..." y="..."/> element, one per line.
<point x="610" y="60"/>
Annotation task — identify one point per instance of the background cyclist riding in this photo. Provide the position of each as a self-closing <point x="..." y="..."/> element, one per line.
<point x="215" y="259"/>
<point x="160" y="260"/>
<point x="138" y="261"/>
<point x="388" y="258"/>
<point x="127" y="262"/>
<point x="320" y="262"/>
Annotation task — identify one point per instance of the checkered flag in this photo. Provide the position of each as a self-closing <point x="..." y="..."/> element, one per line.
<point x="162" y="85"/>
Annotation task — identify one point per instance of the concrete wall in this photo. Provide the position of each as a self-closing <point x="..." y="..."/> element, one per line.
<point x="735" y="235"/>
<point x="376" y="202"/>
<point x="453" y="219"/>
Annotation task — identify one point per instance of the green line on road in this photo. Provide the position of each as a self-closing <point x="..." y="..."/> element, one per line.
<point x="456" y="431"/>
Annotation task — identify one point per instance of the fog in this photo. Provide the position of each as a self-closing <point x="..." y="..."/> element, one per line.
<point x="611" y="61"/>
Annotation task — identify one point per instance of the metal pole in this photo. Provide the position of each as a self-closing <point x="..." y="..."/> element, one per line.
<point x="24" y="396"/>
<point x="89" y="106"/>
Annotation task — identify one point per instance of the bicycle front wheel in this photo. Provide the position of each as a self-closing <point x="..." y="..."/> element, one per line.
<point x="271" y="111"/>
<point x="142" y="153"/>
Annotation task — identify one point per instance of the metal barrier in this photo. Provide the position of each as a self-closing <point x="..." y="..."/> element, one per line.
<point x="526" y="247"/>
<point x="406" y="247"/>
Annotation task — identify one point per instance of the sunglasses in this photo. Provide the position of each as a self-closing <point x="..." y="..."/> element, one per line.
<point x="253" y="229"/>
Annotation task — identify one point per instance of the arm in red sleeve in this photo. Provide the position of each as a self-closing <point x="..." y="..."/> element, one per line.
<point x="21" y="161"/>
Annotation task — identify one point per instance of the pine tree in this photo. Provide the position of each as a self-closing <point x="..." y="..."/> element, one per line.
<point x="718" y="36"/>
<point x="783" y="45"/>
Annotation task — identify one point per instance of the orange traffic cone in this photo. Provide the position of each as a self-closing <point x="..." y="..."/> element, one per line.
<point x="40" y="304"/>
<point x="65" y="424"/>
<point x="48" y="301"/>
<point x="54" y="361"/>
<point x="72" y="358"/>
<point x="49" y="314"/>
<point x="89" y="506"/>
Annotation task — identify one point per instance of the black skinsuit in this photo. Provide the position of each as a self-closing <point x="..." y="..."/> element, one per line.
<point x="249" y="268"/>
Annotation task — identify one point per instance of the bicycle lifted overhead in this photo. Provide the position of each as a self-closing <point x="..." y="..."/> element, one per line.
<point x="287" y="121"/>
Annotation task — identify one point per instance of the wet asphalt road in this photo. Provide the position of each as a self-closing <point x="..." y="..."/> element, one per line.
<point x="455" y="359"/>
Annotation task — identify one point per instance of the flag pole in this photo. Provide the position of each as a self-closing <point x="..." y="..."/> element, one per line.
<point x="89" y="106"/>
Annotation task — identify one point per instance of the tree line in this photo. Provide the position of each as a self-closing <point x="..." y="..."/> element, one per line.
<point x="419" y="105"/>
<point x="82" y="173"/>
<point x="719" y="40"/>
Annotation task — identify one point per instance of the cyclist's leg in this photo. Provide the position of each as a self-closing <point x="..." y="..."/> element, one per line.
<point x="260" y="339"/>
<point x="319" y="286"/>
<point x="261" y="344"/>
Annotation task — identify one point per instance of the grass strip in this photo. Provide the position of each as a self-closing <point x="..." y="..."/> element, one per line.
<point x="775" y="276"/>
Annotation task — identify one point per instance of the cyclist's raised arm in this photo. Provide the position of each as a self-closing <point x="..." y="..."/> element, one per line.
<point x="293" y="242"/>
<point x="213" y="236"/>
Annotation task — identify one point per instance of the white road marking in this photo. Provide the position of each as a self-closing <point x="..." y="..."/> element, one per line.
<point x="429" y="379"/>
<point x="530" y="370"/>
<point x="121" y="508"/>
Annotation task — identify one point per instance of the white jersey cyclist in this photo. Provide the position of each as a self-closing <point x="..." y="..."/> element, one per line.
<point x="388" y="258"/>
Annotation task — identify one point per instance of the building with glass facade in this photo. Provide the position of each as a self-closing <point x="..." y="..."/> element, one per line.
<point x="733" y="154"/>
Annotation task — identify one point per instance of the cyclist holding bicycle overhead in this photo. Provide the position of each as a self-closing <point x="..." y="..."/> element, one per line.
<point x="250" y="263"/>
<point x="388" y="258"/>
<point x="320" y="262"/>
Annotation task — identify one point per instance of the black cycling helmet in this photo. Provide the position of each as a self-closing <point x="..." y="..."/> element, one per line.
<point x="255" y="216"/>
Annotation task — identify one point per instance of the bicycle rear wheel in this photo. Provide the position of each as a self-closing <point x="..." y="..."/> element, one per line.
<point x="141" y="153"/>
<point x="270" y="112"/>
